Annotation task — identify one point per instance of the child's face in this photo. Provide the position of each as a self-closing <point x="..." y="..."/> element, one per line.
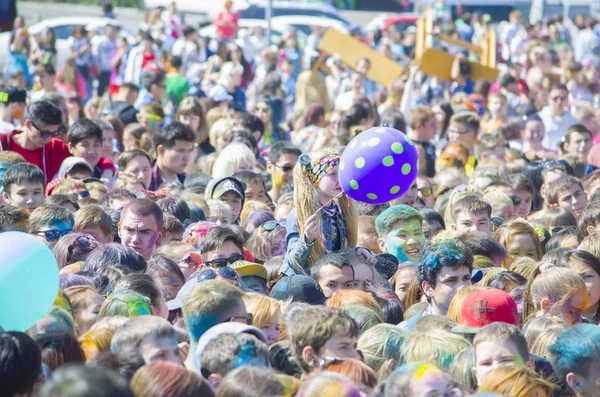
<point x="521" y="245"/>
<point x="524" y="207"/>
<point x="28" y="195"/>
<point x="489" y="355"/>
<point x="176" y="159"/>
<point x="329" y="186"/>
<point x="573" y="199"/>
<point x="155" y="350"/>
<point x="340" y="346"/>
<point x="466" y="222"/>
<point x="506" y="211"/>
<point x="141" y="168"/>
<point x="405" y="241"/>
<point x="333" y="278"/>
<point x="363" y="276"/>
<point x="272" y="331"/>
<point x="256" y="191"/>
<point x="571" y="311"/>
<point x="89" y="148"/>
<point x="402" y="281"/>
<point x="235" y="203"/>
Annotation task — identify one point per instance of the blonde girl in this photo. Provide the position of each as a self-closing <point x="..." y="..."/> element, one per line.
<point x="520" y="240"/>
<point x="323" y="218"/>
<point x="556" y="291"/>
<point x="235" y="157"/>
<point x="266" y="313"/>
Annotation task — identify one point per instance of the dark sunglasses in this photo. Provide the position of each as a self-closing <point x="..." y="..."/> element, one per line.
<point x="285" y="168"/>
<point x="269" y="226"/>
<point x="46" y="134"/>
<point x="555" y="163"/>
<point x="248" y="318"/>
<point x="425" y="191"/>
<point x="556" y="229"/>
<point x="212" y="273"/>
<point x="221" y="262"/>
<point x="53" y="235"/>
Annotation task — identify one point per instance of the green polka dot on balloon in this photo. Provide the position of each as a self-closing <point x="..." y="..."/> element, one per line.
<point x="388" y="161"/>
<point x="410" y="142"/>
<point x="373" y="142"/>
<point x="372" y="196"/>
<point x="406" y="169"/>
<point x="397" y="148"/>
<point x="395" y="189"/>
<point x="360" y="162"/>
<point x="354" y="184"/>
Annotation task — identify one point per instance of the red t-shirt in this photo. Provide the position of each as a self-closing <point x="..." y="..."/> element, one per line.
<point x="49" y="158"/>
<point x="103" y="165"/>
<point x="147" y="58"/>
<point x="227" y="24"/>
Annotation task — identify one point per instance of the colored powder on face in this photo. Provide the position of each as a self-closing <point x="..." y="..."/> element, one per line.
<point x="153" y="240"/>
<point x="518" y="360"/>
<point x="424" y="369"/>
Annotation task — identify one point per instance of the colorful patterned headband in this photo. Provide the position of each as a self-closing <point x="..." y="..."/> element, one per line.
<point x="316" y="170"/>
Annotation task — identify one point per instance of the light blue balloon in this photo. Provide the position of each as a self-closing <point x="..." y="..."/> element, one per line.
<point x="28" y="280"/>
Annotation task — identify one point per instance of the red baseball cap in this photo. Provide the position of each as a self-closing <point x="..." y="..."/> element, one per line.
<point x="481" y="308"/>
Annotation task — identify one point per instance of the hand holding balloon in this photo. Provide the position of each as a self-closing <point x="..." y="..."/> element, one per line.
<point x="378" y="165"/>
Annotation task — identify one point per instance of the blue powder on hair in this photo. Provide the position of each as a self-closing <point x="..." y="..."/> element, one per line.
<point x="248" y="357"/>
<point x="199" y="324"/>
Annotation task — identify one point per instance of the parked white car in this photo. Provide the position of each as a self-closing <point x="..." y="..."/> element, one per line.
<point x="62" y="28"/>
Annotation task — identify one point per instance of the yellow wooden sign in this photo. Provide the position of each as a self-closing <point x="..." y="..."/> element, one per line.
<point x="439" y="63"/>
<point x="350" y="50"/>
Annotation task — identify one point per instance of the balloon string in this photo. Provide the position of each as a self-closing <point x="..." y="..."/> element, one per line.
<point x="319" y="210"/>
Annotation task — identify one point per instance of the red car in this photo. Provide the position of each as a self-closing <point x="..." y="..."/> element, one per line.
<point x="399" y="21"/>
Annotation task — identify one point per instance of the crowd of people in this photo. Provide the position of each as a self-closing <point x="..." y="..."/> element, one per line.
<point x="188" y="188"/>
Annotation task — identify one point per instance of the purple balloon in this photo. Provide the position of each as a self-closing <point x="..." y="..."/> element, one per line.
<point x="378" y="165"/>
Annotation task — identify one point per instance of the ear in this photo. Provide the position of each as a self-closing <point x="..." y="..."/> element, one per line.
<point x="6" y="197"/>
<point x="543" y="191"/>
<point x="71" y="148"/>
<point x="214" y="381"/>
<point x="110" y="238"/>
<point x="309" y="356"/>
<point x="161" y="234"/>
<point x="588" y="229"/>
<point x="160" y="150"/>
<point x="269" y="167"/>
<point x="545" y="305"/>
<point x="453" y="227"/>
<point x="574" y="382"/>
<point x="381" y="244"/>
<point x="427" y="288"/>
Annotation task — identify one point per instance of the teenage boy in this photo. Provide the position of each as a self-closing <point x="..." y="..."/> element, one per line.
<point x="333" y="273"/>
<point x="575" y="357"/>
<point x="37" y="142"/>
<point x="210" y="303"/>
<point x="174" y="145"/>
<point x="141" y="226"/>
<point x="567" y="192"/>
<point x="556" y="116"/>
<point x="282" y="158"/>
<point x="12" y="106"/>
<point x="444" y="268"/>
<point x="320" y="332"/>
<point x="50" y="223"/>
<point x="463" y="130"/>
<point x="221" y="247"/>
<point x="423" y="126"/>
<point x="496" y="344"/>
<point x="472" y="214"/>
<point x="400" y="233"/>
<point x="93" y="220"/>
<point x="589" y="220"/>
<point x="24" y="186"/>
<point x="85" y="140"/>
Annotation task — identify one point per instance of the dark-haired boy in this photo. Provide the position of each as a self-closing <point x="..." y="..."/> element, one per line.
<point x="85" y="140"/>
<point x="50" y="223"/>
<point x="221" y="246"/>
<point x="24" y="186"/>
<point x="567" y="192"/>
<point x="174" y="145"/>
<point x="37" y="142"/>
<point x="333" y="273"/>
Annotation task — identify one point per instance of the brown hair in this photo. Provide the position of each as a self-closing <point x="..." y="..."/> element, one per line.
<point x="91" y="217"/>
<point x="191" y="106"/>
<point x="168" y="379"/>
<point x="353" y="297"/>
<point x="144" y="207"/>
<point x="469" y="120"/>
<point x="503" y="332"/>
<point x="127" y="156"/>
<point x="81" y="296"/>
<point x="515" y="381"/>
<point x="420" y="115"/>
<point x="354" y="369"/>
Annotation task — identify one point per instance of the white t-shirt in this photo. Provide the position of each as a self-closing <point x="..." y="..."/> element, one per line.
<point x="6" y="127"/>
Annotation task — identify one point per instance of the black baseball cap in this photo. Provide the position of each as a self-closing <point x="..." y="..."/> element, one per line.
<point x="298" y="288"/>
<point x="12" y="94"/>
<point x="386" y="265"/>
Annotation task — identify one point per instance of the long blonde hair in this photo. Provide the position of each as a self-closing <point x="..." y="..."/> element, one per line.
<point x="306" y="203"/>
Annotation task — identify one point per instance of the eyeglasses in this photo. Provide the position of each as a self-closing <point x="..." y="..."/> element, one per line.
<point x="269" y="226"/>
<point x="248" y="318"/>
<point x="425" y="191"/>
<point x="555" y="163"/>
<point x="221" y="262"/>
<point x="53" y="235"/>
<point x="285" y="168"/>
<point x="49" y="134"/>
<point x="212" y="273"/>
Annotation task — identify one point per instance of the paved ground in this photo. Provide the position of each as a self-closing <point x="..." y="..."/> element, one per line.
<point x="35" y="12"/>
